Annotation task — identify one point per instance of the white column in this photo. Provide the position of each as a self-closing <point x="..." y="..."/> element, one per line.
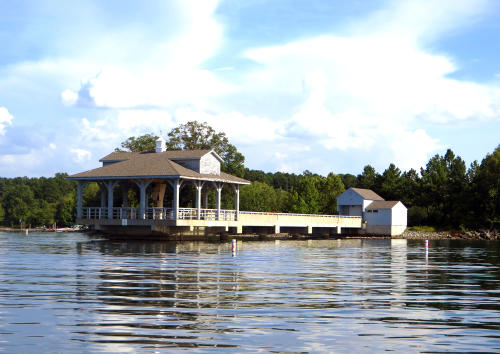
<point x="236" y="188"/>
<point x="176" y="186"/>
<point x="79" y="190"/>
<point x="199" y="186"/>
<point x="218" y="189"/>
<point x="110" y="185"/>
<point x="142" y="184"/>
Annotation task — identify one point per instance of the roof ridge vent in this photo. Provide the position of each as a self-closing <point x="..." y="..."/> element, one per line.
<point x="161" y="145"/>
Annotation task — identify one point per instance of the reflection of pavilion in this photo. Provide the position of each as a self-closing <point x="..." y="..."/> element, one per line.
<point x="160" y="298"/>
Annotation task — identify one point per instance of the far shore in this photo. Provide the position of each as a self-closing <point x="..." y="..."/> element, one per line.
<point x="480" y="234"/>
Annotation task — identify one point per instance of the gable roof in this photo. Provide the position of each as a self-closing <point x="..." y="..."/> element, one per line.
<point x="170" y="154"/>
<point x="367" y="194"/>
<point x="382" y="204"/>
<point x="118" y="156"/>
<point x="152" y="165"/>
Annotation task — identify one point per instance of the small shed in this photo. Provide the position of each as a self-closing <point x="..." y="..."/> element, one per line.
<point x="385" y="217"/>
<point x="380" y="217"/>
<point x="354" y="201"/>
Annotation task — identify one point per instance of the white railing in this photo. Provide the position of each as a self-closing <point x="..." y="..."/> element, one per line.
<point x="291" y="214"/>
<point x="94" y="213"/>
<point x="158" y="214"/>
<point x="184" y="214"/>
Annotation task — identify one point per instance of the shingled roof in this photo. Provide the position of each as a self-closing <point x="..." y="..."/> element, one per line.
<point x="152" y="165"/>
<point x="170" y="154"/>
<point x="382" y="204"/>
<point x="367" y="194"/>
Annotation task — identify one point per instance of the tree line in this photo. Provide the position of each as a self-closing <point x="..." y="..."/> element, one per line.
<point x="445" y="193"/>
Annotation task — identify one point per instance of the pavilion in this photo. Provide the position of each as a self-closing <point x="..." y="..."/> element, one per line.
<point x="157" y="170"/>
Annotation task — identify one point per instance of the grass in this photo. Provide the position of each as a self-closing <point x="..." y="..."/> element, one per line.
<point x="422" y="228"/>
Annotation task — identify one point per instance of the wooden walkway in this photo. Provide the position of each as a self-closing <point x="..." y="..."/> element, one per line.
<point x="212" y="218"/>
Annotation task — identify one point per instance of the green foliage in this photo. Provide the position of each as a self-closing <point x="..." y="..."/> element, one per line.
<point x="143" y="143"/>
<point x="390" y="183"/>
<point x="445" y="193"/>
<point x="422" y="228"/>
<point x="37" y="201"/>
<point x="260" y="196"/>
<point x="330" y="188"/>
<point x="487" y="189"/>
<point x="368" y="178"/>
<point x="193" y="136"/>
<point x="348" y="180"/>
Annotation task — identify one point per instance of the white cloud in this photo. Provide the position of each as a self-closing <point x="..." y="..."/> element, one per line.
<point x="165" y="72"/>
<point x="377" y="83"/>
<point x="5" y="119"/>
<point x="411" y="149"/>
<point x="369" y="88"/>
<point x="28" y="163"/>
<point x="69" y="97"/>
<point x="240" y="128"/>
<point x="81" y="155"/>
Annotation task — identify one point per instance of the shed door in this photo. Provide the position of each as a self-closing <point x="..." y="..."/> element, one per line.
<point x="355" y="210"/>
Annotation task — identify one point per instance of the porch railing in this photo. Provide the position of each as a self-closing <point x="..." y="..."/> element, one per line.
<point x="158" y="214"/>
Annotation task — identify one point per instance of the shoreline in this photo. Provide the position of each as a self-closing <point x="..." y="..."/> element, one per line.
<point x="480" y="234"/>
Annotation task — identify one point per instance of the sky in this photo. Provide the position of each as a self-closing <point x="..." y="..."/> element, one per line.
<point x="319" y="85"/>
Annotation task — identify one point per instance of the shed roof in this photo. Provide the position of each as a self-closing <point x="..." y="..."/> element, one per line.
<point x="367" y="194"/>
<point x="382" y="204"/>
<point x="152" y="165"/>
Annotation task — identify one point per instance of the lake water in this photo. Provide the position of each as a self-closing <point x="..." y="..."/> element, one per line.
<point x="68" y="292"/>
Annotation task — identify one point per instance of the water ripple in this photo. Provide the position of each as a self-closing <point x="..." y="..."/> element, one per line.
<point x="67" y="292"/>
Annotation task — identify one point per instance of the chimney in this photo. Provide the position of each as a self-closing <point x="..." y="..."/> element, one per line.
<point x="161" y="145"/>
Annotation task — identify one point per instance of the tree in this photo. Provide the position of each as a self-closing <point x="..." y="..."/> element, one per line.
<point x="368" y="178"/>
<point x="259" y="196"/>
<point x="349" y="180"/>
<point x="445" y="189"/>
<point x="194" y="135"/>
<point x="309" y="199"/>
<point x="488" y="188"/>
<point x="410" y="187"/>
<point x="390" y="183"/>
<point x="143" y="143"/>
<point x="331" y="187"/>
<point x="19" y="203"/>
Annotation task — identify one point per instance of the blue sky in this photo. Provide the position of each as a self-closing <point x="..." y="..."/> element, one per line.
<point x="323" y="85"/>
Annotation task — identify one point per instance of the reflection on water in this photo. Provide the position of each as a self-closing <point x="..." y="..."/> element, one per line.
<point x="71" y="293"/>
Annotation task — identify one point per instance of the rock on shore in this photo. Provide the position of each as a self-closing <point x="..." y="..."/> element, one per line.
<point x="482" y="234"/>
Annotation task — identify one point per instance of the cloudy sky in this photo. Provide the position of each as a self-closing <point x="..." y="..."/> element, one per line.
<point x="324" y="85"/>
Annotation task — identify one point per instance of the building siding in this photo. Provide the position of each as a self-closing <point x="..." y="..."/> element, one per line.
<point x="379" y="217"/>
<point x="349" y="197"/>
<point x="209" y="165"/>
<point x="399" y="215"/>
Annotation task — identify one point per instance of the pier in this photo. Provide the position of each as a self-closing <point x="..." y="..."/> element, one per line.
<point x="160" y="178"/>
<point x="191" y="221"/>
